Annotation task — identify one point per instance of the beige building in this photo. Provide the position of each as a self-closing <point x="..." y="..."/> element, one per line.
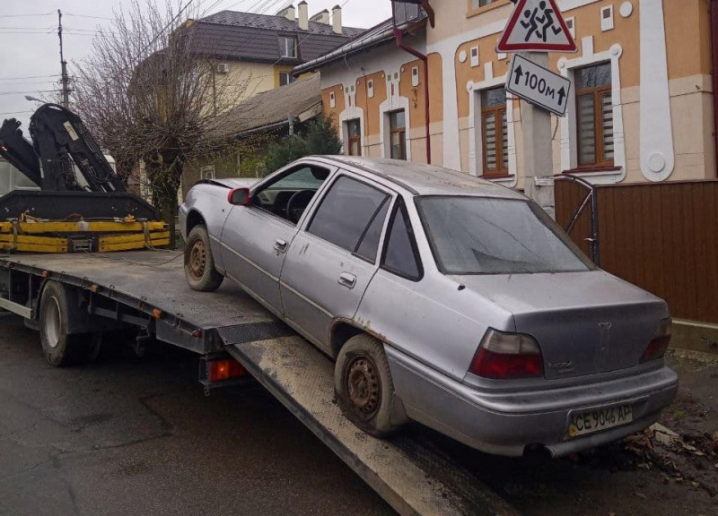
<point x="252" y="53"/>
<point x="640" y="107"/>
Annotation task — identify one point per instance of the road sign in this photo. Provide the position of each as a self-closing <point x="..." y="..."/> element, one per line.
<point x="536" y="26"/>
<point x="538" y="85"/>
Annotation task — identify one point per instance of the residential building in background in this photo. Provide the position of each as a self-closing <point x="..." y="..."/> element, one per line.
<point x="640" y="106"/>
<point x="252" y="53"/>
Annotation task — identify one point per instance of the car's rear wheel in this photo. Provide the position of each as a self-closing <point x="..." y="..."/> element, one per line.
<point x="363" y="385"/>
<point x="199" y="263"/>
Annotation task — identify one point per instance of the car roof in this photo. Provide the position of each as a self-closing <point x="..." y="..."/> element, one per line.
<point x="420" y="179"/>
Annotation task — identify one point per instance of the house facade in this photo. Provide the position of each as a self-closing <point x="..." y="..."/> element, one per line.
<point x="252" y="53"/>
<point x="640" y="107"/>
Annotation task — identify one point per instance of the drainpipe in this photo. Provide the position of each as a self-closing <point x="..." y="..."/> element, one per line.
<point x="714" y="52"/>
<point x="398" y="34"/>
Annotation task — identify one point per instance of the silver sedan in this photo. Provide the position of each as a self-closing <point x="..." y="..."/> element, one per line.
<point x="444" y="299"/>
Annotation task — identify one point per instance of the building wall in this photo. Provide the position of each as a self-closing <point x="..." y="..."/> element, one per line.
<point x="244" y="80"/>
<point x="661" y="96"/>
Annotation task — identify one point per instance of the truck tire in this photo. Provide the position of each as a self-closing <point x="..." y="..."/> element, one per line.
<point x="363" y="385"/>
<point x="199" y="263"/>
<point x="60" y="348"/>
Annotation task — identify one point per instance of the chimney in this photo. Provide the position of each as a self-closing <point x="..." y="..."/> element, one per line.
<point x="287" y="12"/>
<point x="303" y="15"/>
<point x="321" y="17"/>
<point x="337" y="19"/>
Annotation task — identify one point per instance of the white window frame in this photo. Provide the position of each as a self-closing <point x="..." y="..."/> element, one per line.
<point x="569" y="140"/>
<point x="284" y="47"/>
<point x="476" y="149"/>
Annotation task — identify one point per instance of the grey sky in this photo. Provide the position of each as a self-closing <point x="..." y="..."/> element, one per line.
<point x="30" y="60"/>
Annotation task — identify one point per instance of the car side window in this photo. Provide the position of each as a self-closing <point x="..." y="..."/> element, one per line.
<point x="368" y="247"/>
<point x="400" y="254"/>
<point x="347" y="214"/>
<point x="289" y="195"/>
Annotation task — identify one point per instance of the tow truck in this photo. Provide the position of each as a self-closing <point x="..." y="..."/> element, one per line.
<point x="76" y="201"/>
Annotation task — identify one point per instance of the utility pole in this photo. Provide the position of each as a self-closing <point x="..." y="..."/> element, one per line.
<point x="63" y="64"/>
<point x="538" y="151"/>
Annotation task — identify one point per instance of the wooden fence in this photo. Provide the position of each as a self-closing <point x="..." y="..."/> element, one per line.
<point x="662" y="237"/>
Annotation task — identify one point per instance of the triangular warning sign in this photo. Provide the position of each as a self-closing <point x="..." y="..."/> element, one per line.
<point x="536" y="25"/>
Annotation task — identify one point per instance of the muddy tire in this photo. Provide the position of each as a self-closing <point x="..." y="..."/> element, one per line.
<point x="363" y="386"/>
<point x="60" y="349"/>
<point x="199" y="263"/>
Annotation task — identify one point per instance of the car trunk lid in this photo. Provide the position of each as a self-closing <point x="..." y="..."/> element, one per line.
<point x="585" y="322"/>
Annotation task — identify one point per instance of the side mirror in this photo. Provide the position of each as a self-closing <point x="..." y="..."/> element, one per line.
<point x="239" y="197"/>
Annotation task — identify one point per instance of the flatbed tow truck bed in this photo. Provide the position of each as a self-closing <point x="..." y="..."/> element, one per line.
<point x="147" y="289"/>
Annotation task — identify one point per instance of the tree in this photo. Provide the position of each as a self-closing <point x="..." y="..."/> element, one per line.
<point x="147" y="96"/>
<point x="321" y="138"/>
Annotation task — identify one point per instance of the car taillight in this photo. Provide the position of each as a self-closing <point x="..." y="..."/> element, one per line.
<point x="507" y="355"/>
<point x="659" y="344"/>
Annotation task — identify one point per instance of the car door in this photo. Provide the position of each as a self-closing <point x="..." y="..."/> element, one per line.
<point x="331" y="262"/>
<point x="255" y="238"/>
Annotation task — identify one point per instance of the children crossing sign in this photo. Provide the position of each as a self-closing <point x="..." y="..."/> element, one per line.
<point x="536" y="26"/>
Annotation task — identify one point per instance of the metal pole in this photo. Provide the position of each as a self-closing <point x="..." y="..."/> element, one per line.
<point x="63" y="65"/>
<point x="538" y="152"/>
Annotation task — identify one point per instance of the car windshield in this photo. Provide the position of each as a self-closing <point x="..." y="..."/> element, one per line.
<point x="478" y="235"/>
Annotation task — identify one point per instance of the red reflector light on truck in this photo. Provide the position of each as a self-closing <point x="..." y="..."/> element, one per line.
<point x="225" y="370"/>
<point x="507" y="355"/>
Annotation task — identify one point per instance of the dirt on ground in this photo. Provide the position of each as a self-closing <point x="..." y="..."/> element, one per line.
<point x="671" y="469"/>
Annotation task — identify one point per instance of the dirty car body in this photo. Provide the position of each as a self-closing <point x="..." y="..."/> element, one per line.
<point x="498" y="332"/>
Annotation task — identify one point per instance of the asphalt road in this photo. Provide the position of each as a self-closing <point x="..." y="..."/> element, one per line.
<point x="126" y="436"/>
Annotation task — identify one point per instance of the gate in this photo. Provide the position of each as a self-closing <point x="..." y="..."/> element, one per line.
<point x="577" y="213"/>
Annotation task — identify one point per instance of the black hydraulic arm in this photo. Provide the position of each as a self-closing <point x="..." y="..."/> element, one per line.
<point x="18" y="151"/>
<point x="58" y="134"/>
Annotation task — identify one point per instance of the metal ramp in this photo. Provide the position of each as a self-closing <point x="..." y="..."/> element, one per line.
<point x="413" y="477"/>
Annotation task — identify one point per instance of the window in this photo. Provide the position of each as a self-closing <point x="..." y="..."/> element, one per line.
<point x="207" y="172"/>
<point x="481" y="3"/>
<point x="400" y="254"/>
<point x="286" y="78"/>
<point x="480" y="235"/>
<point x="353" y="128"/>
<point x="289" y="195"/>
<point x="594" y="118"/>
<point x="348" y="217"/>
<point x="288" y="46"/>
<point x="397" y="135"/>
<point x="494" y="132"/>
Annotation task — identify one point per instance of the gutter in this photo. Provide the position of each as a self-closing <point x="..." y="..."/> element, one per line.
<point x="357" y="45"/>
<point x="714" y="52"/>
<point x="399" y="35"/>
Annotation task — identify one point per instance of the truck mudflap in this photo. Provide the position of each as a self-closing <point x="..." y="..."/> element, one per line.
<point x="413" y="477"/>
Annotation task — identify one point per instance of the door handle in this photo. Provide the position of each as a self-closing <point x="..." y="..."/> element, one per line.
<point x="280" y="245"/>
<point x="347" y="280"/>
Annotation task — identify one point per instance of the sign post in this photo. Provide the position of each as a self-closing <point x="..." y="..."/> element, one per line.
<point x="535" y="28"/>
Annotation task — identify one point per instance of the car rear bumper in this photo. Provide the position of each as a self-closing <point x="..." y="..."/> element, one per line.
<point x="506" y="424"/>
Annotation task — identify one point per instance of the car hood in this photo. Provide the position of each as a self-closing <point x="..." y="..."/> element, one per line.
<point x="585" y="322"/>
<point x="240" y="182"/>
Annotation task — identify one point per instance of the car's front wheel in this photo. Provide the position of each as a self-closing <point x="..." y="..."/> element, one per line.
<point x="363" y="385"/>
<point x="199" y="263"/>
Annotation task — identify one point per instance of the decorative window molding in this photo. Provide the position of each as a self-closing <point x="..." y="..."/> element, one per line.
<point x="476" y="138"/>
<point x="474" y="56"/>
<point x="332" y="100"/>
<point x="569" y="143"/>
<point x="370" y="88"/>
<point x="414" y="76"/>
<point x="571" y="25"/>
<point x="394" y="102"/>
<point x="607" y="18"/>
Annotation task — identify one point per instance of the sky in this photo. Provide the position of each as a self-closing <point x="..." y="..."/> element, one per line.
<point x="30" y="58"/>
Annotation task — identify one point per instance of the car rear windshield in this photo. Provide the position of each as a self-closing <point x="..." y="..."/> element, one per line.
<point x="479" y="235"/>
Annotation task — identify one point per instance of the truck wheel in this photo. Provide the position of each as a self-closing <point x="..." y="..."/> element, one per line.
<point x="61" y="349"/>
<point x="363" y="385"/>
<point x="199" y="263"/>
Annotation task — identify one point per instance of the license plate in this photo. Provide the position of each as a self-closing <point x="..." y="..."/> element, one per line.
<point x="583" y="423"/>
